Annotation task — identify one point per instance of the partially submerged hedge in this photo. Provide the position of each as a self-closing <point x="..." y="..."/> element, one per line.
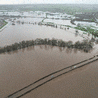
<point x="84" y="45"/>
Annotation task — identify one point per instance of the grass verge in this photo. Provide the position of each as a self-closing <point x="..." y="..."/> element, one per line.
<point x="4" y="24"/>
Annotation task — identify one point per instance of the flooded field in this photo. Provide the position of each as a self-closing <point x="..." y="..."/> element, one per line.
<point x="21" y="68"/>
<point x="63" y="22"/>
<point x="86" y="23"/>
<point x="30" y="19"/>
<point x="20" y="32"/>
<point x="81" y="83"/>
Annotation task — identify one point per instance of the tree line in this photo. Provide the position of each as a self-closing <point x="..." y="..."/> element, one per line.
<point x="85" y="45"/>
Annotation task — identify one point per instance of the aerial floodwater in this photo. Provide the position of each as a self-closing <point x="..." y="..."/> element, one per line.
<point x="23" y="67"/>
<point x="20" y="32"/>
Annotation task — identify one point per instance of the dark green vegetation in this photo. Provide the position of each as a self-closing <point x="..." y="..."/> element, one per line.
<point x="85" y="45"/>
<point x="63" y="8"/>
<point x="89" y="30"/>
<point x="4" y="24"/>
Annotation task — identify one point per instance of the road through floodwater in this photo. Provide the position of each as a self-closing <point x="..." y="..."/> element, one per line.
<point x="20" y="68"/>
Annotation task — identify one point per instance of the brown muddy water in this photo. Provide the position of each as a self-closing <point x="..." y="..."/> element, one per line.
<point x="21" y="68"/>
<point x="80" y="83"/>
<point x="19" y="32"/>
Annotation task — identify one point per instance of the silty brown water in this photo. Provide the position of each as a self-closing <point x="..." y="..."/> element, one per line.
<point x="22" y="67"/>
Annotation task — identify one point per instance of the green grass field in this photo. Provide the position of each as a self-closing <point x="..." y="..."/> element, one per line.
<point x="4" y="24"/>
<point x="89" y="30"/>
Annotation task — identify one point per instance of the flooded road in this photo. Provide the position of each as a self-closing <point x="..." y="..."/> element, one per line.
<point x="20" y="68"/>
<point x="80" y="83"/>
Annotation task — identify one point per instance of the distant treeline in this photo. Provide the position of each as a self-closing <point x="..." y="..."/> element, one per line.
<point x="63" y="8"/>
<point x="85" y="45"/>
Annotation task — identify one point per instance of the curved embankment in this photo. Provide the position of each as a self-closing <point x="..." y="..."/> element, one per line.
<point x="73" y="20"/>
<point x="4" y="26"/>
<point x="85" y="45"/>
<point x="50" y="77"/>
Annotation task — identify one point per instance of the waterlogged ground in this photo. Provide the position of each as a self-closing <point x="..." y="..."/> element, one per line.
<point x="61" y="22"/>
<point x="20" y="68"/>
<point x="19" y="32"/>
<point x="81" y="83"/>
<point x="86" y="23"/>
